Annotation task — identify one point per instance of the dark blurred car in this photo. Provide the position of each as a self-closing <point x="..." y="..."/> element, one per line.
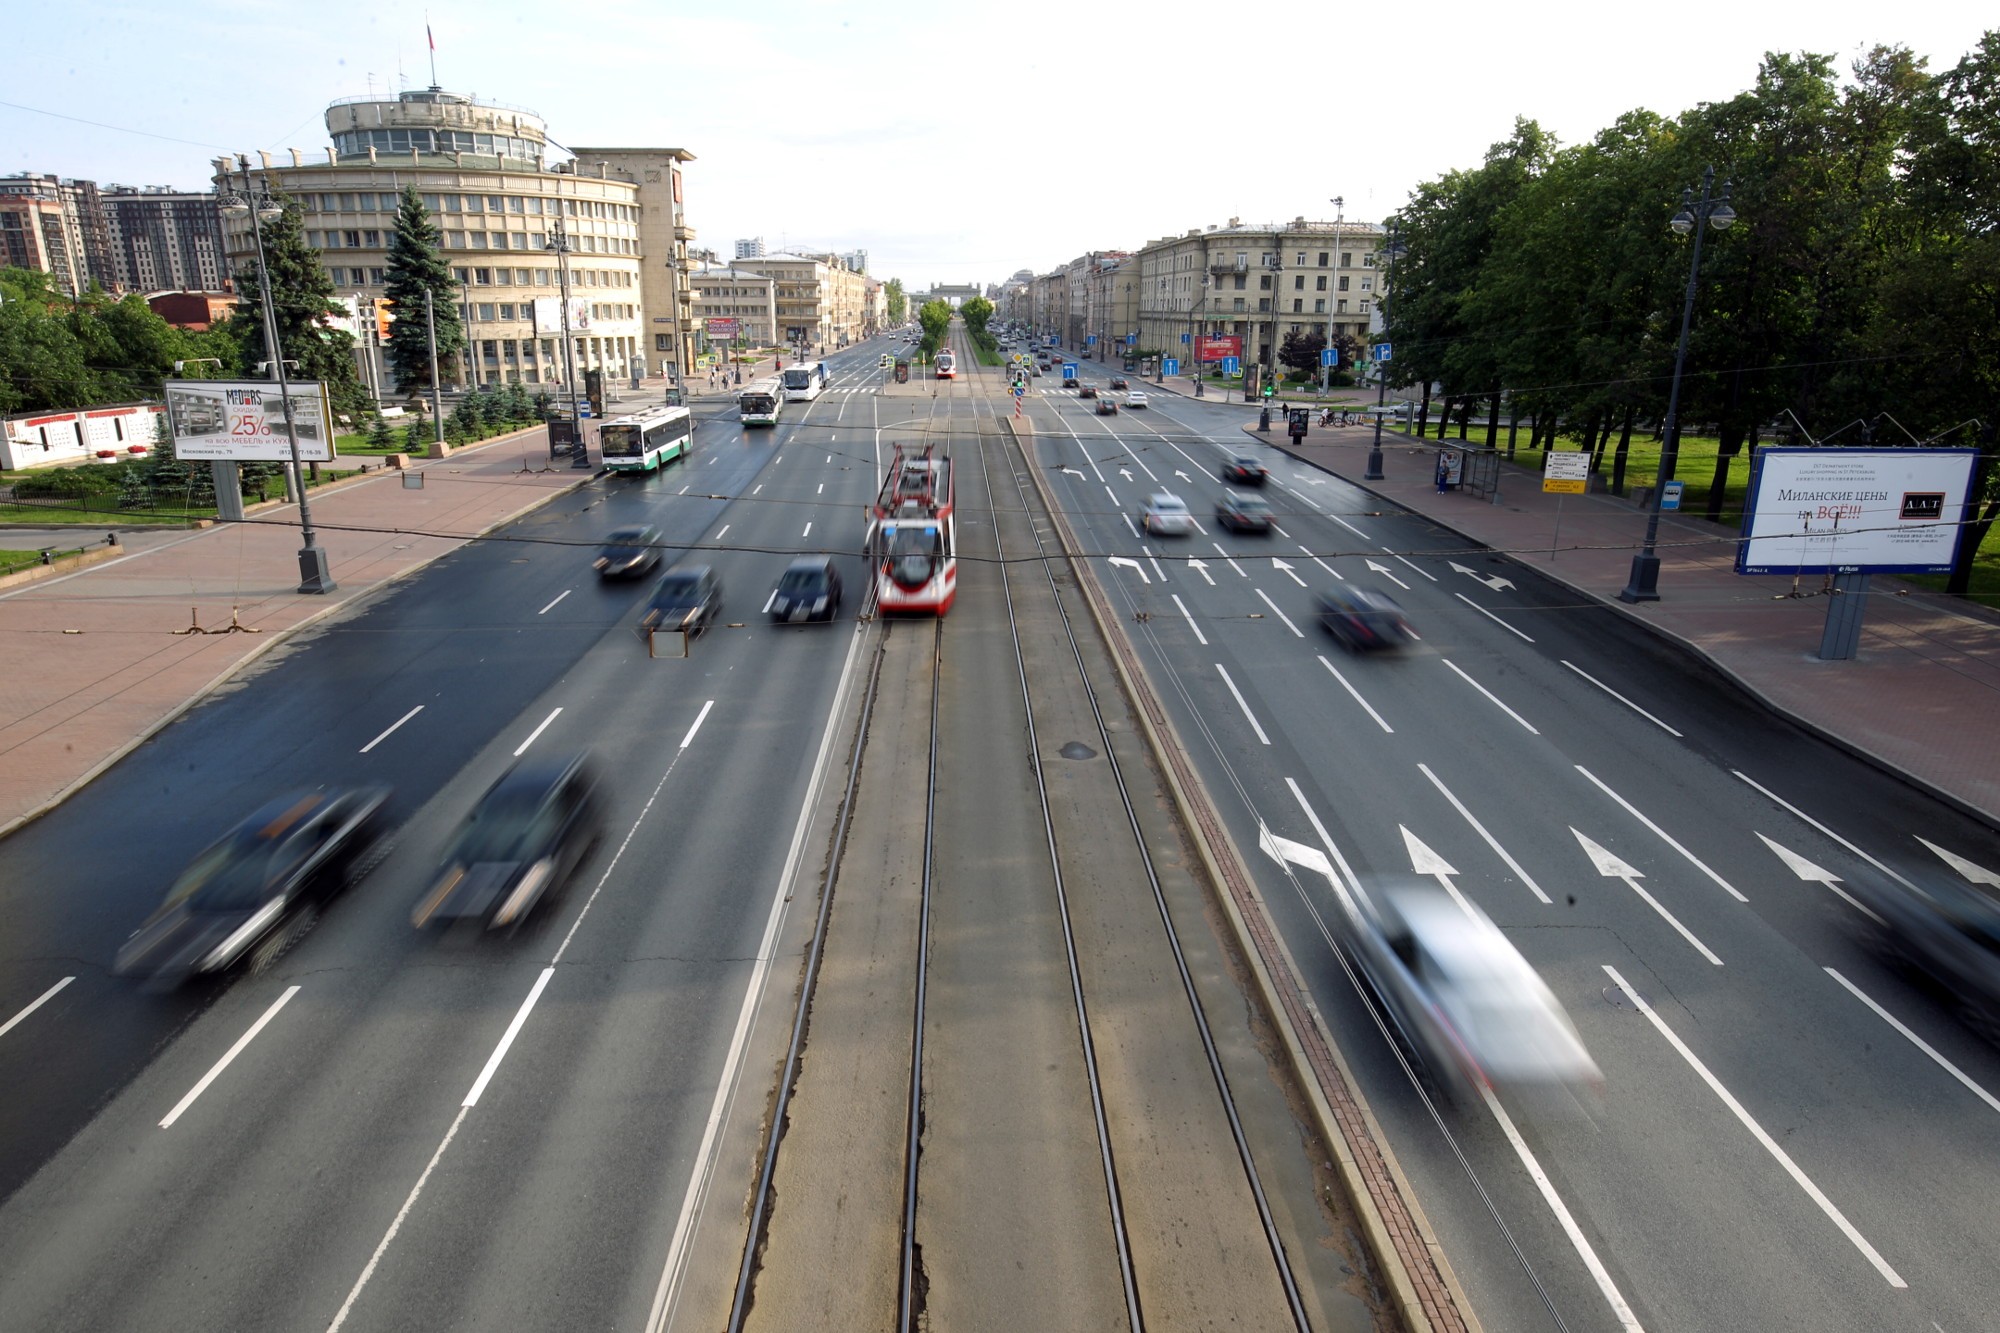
<point x="1243" y="470"/>
<point x="1949" y="933"/>
<point x="1118" y="382"/>
<point x="528" y="832"/>
<point x="688" y="597"/>
<point x="1107" y="407"/>
<point x="1243" y="513"/>
<point x="1363" y="618"/>
<point x="1036" y="371"/>
<point x="1086" y="391"/>
<point x="628" y="553"/>
<point x="255" y="893"/>
<point x="809" y="590"/>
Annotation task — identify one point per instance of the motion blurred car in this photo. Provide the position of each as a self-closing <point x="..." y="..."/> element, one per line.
<point x="1948" y="933"/>
<point x="1461" y="997"/>
<point x="1243" y="513"/>
<point x="1118" y="383"/>
<point x="1037" y="371"/>
<point x="528" y="832"/>
<point x="1363" y="619"/>
<point x="1135" y="399"/>
<point x="1166" y="515"/>
<point x="688" y="597"/>
<point x="808" y="590"/>
<point x="255" y="893"/>
<point x="1107" y="407"/>
<point x="1086" y="390"/>
<point x="1243" y="470"/>
<point x="628" y="553"/>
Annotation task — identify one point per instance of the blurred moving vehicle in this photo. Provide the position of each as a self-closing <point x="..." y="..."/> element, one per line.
<point x="1467" y="1005"/>
<point x="628" y="553"/>
<point x="1948" y="933"/>
<point x="1243" y="470"/>
<point x="809" y="589"/>
<point x="1243" y="513"/>
<point x="1135" y="399"/>
<point x="528" y="832"/>
<point x="1166" y="515"/>
<point x="1363" y="618"/>
<point x="688" y="597"/>
<point x="1107" y="407"/>
<point x="254" y="894"/>
<point x="1118" y="382"/>
<point x="1086" y="390"/>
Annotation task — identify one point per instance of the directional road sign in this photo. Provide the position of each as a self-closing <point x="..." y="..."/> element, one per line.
<point x="1329" y="356"/>
<point x="1232" y="365"/>
<point x="1185" y="338"/>
<point x="1381" y="351"/>
<point x="1069" y="370"/>
<point x="1567" y="472"/>
<point x="1090" y="341"/>
<point x="1170" y="365"/>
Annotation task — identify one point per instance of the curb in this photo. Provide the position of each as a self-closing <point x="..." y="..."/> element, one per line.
<point x="1378" y="1232"/>
<point x="65" y="564"/>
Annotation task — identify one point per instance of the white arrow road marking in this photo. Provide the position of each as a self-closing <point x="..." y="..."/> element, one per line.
<point x="1357" y="695"/>
<point x="1242" y="704"/>
<point x="1813" y="874"/>
<point x="1491" y="697"/>
<point x="1769" y="1144"/>
<point x="1278" y="564"/>
<point x="1662" y="835"/>
<point x="1226" y="556"/>
<point x="1922" y="1045"/>
<point x="1198" y="635"/>
<point x="1125" y="472"/>
<point x="1824" y="829"/>
<point x="1490" y="616"/>
<point x="1480" y="829"/>
<point x="1609" y="866"/>
<point x="1280" y="615"/>
<point x="1383" y="570"/>
<point x="1972" y="871"/>
<point x="1184" y="476"/>
<point x="1074" y="472"/>
<point x="1494" y="582"/>
<point x="1282" y="850"/>
<point x="1131" y="564"/>
<point x="1424" y="861"/>
<point x="1200" y="567"/>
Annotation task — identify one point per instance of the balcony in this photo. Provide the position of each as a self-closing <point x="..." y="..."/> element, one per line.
<point x="1222" y="267"/>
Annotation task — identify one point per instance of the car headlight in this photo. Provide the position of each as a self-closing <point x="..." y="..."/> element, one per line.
<point x="819" y="604"/>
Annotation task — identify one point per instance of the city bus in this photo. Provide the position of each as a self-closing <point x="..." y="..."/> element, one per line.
<point x="646" y="441"/>
<point x="804" y="382"/>
<point x="761" y="403"/>
<point x="947" y="366"/>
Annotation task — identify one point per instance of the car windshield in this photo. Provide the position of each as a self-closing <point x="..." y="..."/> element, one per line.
<point x="678" y="590"/>
<point x="233" y="875"/>
<point x="1250" y="504"/>
<point x="798" y="581"/>
<point x="501" y="829"/>
<point x="1168" y="504"/>
<point x="625" y="537"/>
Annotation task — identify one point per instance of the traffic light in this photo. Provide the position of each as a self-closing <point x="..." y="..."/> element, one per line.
<point x="385" y="316"/>
<point x="1269" y="389"/>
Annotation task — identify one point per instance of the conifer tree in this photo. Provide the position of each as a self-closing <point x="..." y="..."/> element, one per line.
<point x="416" y="266"/>
<point x="302" y="300"/>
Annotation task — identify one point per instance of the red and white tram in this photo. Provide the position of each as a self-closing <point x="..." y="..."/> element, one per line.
<point x="912" y="543"/>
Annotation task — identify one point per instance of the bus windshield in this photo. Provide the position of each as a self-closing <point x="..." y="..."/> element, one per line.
<point x="798" y="378"/>
<point x="756" y="402"/>
<point x="620" y="441"/>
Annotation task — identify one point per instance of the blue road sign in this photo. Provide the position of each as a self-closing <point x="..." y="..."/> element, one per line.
<point x="1329" y="356"/>
<point x="1381" y="351"/>
<point x="1131" y="340"/>
<point x="1232" y="365"/>
<point x="1020" y="390"/>
<point x="1670" y="495"/>
<point x="1091" y="341"/>
<point x="1069" y="370"/>
<point x="1186" y="339"/>
<point x="1170" y="365"/>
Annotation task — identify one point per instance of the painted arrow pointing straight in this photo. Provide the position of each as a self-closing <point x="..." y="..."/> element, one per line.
<point x="1125" y="472"/>
<point x="1383" y="570"/>
<point x="1424" y="861"/>
<point x="1813" y="874"/>
<point x="1200" y="567"/>
<point x="1977" y="874"/>
<point x="1279" y="564"/>
<point x="1611" y="867"/>
<point x="1131" y="564"/>
<point x="1184" y="476"/>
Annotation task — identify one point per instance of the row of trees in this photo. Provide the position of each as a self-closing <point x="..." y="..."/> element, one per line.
<point x="934" y="316"/>
<point x="895" y="302"/>
<point x="1855" y="297"/>
<point x="976" y="313"/>
<point x="58" y="354"/>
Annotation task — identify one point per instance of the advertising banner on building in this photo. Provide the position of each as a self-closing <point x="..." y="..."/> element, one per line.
<point x="1214" y="347"/>
<point x="244" y="420"/>
<point x="722" y="330"/>
<point x="1863" y="511"/>
<point x="548" y="315"/>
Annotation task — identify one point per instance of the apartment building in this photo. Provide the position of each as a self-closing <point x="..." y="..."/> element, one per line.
<point x="729" y="292"/>
<point x="819" y="300"/>
<point x="58" y="226"/>
<point x="666" y="293"/>
<point x="162" y="239"/>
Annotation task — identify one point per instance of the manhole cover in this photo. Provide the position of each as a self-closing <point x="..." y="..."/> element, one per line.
<point x="1077" y="750"/>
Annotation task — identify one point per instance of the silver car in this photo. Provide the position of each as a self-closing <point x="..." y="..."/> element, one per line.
<point x="1166" y="515"/>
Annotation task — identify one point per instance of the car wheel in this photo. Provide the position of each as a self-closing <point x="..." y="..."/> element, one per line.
<point x="293" y="928"/>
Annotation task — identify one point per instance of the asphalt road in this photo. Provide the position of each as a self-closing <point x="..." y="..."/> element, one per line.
<point x="1767" y="1150"/>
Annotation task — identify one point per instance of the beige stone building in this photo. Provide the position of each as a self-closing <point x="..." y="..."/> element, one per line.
<point x="665" y="288"/>
<point x="819" y="300"/>
<point x="729" y="291"/>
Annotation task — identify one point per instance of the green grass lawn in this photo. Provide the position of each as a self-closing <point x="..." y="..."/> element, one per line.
<point x="93" y="510"/>
<point x="13" y="561"/>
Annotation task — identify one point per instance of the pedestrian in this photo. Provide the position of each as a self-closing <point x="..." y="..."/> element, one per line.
<point x="1444" y="472"/>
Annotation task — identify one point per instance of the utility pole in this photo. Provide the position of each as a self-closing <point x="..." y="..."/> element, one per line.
<point x="561" y="246"/>
<point x="1339" y="216"/>
<point x="438" y="447"/>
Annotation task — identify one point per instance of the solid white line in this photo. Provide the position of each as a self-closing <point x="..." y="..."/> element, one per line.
<point x="507" y="1039"/>
<point x="1620" y="698"/>
<point x="1231" y="559"/>
<point x="1663" y="836"/>
<point x="40" y="1000"/>
<point x="1241" y="704"/>
<point x="1601" y="1275"/>
<point x="1349" y="526"/>
<point x="1671" y="919"/>
<point x="807" y="533"/>
<point x="1489" y="615"/>
<point x="1769" y="1144"/>
<point x="1198" y="635"/>
<point x="1426" y="573"/>
<point x="551" y="606"/>
<point x="1323" y="565"/>
<point x="1480" y="829"/>
<point x="1357" y="695"/>
<point x="1281" y="532"/>
<point x="392" y="727"/>
<point x="1130" y="524"/>
<point x="699" y="718"/>
<point x="1279" y="614"/>
<point x="1114" y="496"/>
<point x="522" y="748"/>
<point x="1824" y="829"/>
<point x="347" y="1305"/>
<point x="1490" y="695"/>
<point x="216" y="1069"/>
<point x="1922" y="1045"/>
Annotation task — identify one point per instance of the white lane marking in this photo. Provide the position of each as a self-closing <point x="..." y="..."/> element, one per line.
<point x="1281" y="532"/>
<point x="1287" y="571"/>
<point x="392" y="728"/>
<point x="229" y="1056"/>
<point x="1824" y="829"/>
<point x="1377" y="567"/>
<point x="1610" y="866"/>
<point x="1480" y="829"/>
<point x="684" y="489"/>
<point x="1226" y="556"/>
<point x="1491" y="697"/>
<point x="1357" y="695"/>
<point x="1620" y="698"/>
<point x="507" y="1039"/>
<point x="829" y="458"/>
<point x="821" y="490"/>
<point x="699" y="718"/>
<point x="711" y="462"/>
<point x="1426" y="573"/>
<point x="1323" y="565"/>
<point x="1349" y="526"/>
<point x="1241" y="704"/>
<point x="725" y="532"/>
<point x="522" y="748"/>
<point x="1130" y="524"/>
<point x="1197" y="525"/>
<point x="758" y="487"/>
<point x="807" y="533"/>
<point x="1490" y="616"/>
<point x="382" y="1248"/>
<point x="1199" y="637"/>
<point x="1757" y="1131"/>
<point x="1279" y="614"/>
<point x="1114" y="496"/>
<point x="1663" y="835"/>
<point x="39" y="1001"/>
<point x="767" y="603"/>
<point x="1814" y="874"/>
<point x="1147" y="551"/>
<point x="1918" y="1042"/>
<point x="551" y="606"/>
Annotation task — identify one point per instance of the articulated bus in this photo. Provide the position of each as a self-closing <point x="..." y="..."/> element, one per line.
<point x="947" y="366"/>
<point x="803" y="383"/>
<point x="648" y="440"/>
<point x="761" y="403"/>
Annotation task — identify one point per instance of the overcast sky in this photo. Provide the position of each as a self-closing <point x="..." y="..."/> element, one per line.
<point x="954" y="141"/>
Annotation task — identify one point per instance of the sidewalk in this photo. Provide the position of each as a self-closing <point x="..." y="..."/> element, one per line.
<point x="1922" y="697"/>
<point x="98" y="660"/>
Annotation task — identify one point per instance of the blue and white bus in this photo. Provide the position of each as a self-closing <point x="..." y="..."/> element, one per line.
<point x="761" y="403"/>
<point x="646" y="441"/>
<point x="804" y="382"/>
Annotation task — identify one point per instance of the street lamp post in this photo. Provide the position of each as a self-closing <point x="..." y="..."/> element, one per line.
<point x="561" y="247"/>
<point x="1644" y="583"/>
<point x="1391" y="252"/>
<point x="438" y="449"/>
<point x="314" y="576"/>
<point x="1326" y="371"/>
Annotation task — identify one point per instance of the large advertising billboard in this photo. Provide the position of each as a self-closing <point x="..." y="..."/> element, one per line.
<point x="548" y="315"/>
<point x="244" y="420"/>
<point x="1214" y="347"/>
<point x="1854" y="511"/>
<point x="722" y="330"/>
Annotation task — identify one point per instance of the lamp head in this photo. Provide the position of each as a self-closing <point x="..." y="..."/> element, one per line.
<point x="1721" y="216"/>
<point x="234" y="206"/>
<point x="268" y="210"/>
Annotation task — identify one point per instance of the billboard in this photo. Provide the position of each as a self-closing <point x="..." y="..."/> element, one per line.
<point x="1887" y="511"/>
<point x="244" y="420"/>
<point x="548" y="314"/>
<point x="721" y="330"/>
<point x="1214" y="347"/>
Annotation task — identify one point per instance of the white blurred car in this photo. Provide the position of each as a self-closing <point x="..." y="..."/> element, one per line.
<point x="1166" y="515"/>
<point x="1135" y="399"/>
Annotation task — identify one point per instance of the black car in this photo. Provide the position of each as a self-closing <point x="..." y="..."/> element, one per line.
<point x="1948" y="933"/>
<point x="1362" y="618"/>
<point x="809" y="590"/>
<point x="1118" y="382"/>
<point x="1243" y="513"/>
<point x="1107" y="407"/>
<point x="689" y="597"/>
<point x="1243" y="470"/>
<point x="252" y="895"/>
<point x="628" y="553"/>
<point x="528" y="832"/>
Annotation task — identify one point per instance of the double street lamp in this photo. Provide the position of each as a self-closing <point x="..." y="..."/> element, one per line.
<point x="1643" y="585"/>
<point x="1391" y="252"/>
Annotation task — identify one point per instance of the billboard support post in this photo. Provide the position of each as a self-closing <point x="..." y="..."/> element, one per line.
<point x="438" y="447"/>
<point x="1842" y="634"/>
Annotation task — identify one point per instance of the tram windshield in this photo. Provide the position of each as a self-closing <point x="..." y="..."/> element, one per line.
<point x="915" y="553"/>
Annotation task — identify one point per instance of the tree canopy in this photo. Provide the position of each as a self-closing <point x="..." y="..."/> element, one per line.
<point x="417" y="269"/>
<point x="895" y="304"/>
<point x="57" y="353"/>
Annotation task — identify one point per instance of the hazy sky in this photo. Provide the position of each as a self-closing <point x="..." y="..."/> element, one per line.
<point x="954" y="141"/>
